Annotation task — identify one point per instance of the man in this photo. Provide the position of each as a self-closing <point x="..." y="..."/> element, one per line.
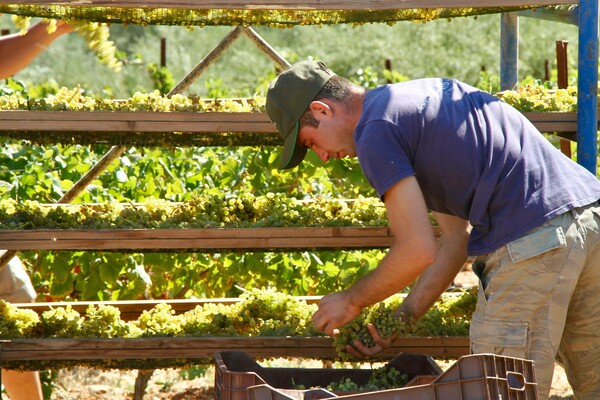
<point x="496" y="187"/>
<point x="16" y="52"/>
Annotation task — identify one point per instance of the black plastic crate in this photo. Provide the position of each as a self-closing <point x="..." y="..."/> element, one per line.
<point x="473" y="377"/>
<point x="236" y="371"/>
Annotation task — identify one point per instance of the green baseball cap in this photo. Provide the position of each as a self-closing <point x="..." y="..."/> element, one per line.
<point x="288" y="97"/>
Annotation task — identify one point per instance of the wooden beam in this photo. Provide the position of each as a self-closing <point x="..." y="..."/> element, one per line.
<point x="296" y="5"/>
<point x="123" y="121"/>
<point x="196" y="239"/>
<point x="205" y="347"/>
<point x="194" y="122"/>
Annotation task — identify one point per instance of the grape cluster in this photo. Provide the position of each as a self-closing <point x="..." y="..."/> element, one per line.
<point x="212" y="210"/>
<point x="61" y="322"/>
<point x="76" y="99"/>
<point x="16" y="322"/>
<point x="270" y="313"/>
<point x="386" y="377"/>
<point x="259" y="312"/>
<point x="535" y="97"/>
<point x="381" y="315"/>
<point x="526" y="98"/>
<point x="104" y="321"/>
<point x="450" y="315"/>
<point x="97" y="36"/>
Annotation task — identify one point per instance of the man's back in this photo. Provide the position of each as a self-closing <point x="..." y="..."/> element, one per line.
<point x="473" y="155"/>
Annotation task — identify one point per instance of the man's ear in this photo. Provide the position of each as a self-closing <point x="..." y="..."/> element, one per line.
<point x="320" y="108"/>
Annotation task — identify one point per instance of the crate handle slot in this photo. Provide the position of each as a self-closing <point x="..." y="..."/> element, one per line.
<point x="516" y="381"/>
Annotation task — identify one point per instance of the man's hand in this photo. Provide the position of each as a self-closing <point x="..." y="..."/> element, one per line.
<point x="360" y="351"/>
<point x="335" y="310"/>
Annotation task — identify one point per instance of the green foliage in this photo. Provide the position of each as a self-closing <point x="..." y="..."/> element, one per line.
<point x="161" y="77"/>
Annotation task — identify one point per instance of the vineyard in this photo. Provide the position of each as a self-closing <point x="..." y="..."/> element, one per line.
<point x="198" y="165"/>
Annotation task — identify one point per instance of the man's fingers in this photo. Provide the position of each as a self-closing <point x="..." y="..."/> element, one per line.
<point x="354" y="353"/>
<point x="358" y="349"/>
<point x="374" y="333"/>
<point x="384" y="343"/>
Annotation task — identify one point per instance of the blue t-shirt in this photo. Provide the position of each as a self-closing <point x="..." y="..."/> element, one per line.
<point x="474" y="157"/>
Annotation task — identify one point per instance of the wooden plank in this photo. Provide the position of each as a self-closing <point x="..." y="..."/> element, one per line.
<point x="190" y="122"/>
<point x="199" y="233"/>
<point x="104" y="121"/>
<point x="298" y="5"/>
<point x="179" y="347"/>
<point x="197" y="239"/>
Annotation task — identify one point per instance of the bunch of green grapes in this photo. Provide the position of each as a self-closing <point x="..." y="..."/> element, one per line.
<point x="75" y="99"/>
<point x="340" y="212"/>
<point x="343" y="385"/>
<point x="97" y="35"/>
<point x="266" y="312"/>
<point x="381" y="315"/>
<point x="159" y="321"/>
<point x="210" y="320"/>
<point x="21" y="22"/>
<point x="16" y="322"/>
<point x="103" y="321"/>
<point x="535" y="97"/>
<point x="369" y="211"/>
<point x="60" y="322"/>
<point x="450" y="315"/>
<point x="386" y="377"/>
<point x="279" y="210"/>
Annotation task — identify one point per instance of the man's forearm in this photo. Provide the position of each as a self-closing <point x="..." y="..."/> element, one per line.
<point x="400" y="267"/>
<point x="435" y="280"/>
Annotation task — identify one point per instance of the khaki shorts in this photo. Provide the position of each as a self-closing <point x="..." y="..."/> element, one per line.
<point x="539" y="299"/>
<point x="15" y="285"/>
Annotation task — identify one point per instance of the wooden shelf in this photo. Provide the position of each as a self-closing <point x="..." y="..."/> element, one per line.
<point x="134" y="121"/>
<point x="205" y="347"/>
<point x="182" y="128"/>
<point x="197" y="239"/>
<point x="297" y="5"/>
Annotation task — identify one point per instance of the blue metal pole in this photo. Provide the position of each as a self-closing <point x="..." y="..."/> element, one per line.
<point x="587" y="85"/>
<point x="509" y="51"/>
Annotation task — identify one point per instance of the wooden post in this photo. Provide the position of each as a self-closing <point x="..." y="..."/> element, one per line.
<point x="388" y="66"/>
<point x="163" y="52"/>
<point x="563" y="82"/>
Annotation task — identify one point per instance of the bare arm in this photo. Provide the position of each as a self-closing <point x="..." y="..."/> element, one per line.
<point x="413" y="250"/>
<point x="18" y="51"/>
<point x="451" y="256"/>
